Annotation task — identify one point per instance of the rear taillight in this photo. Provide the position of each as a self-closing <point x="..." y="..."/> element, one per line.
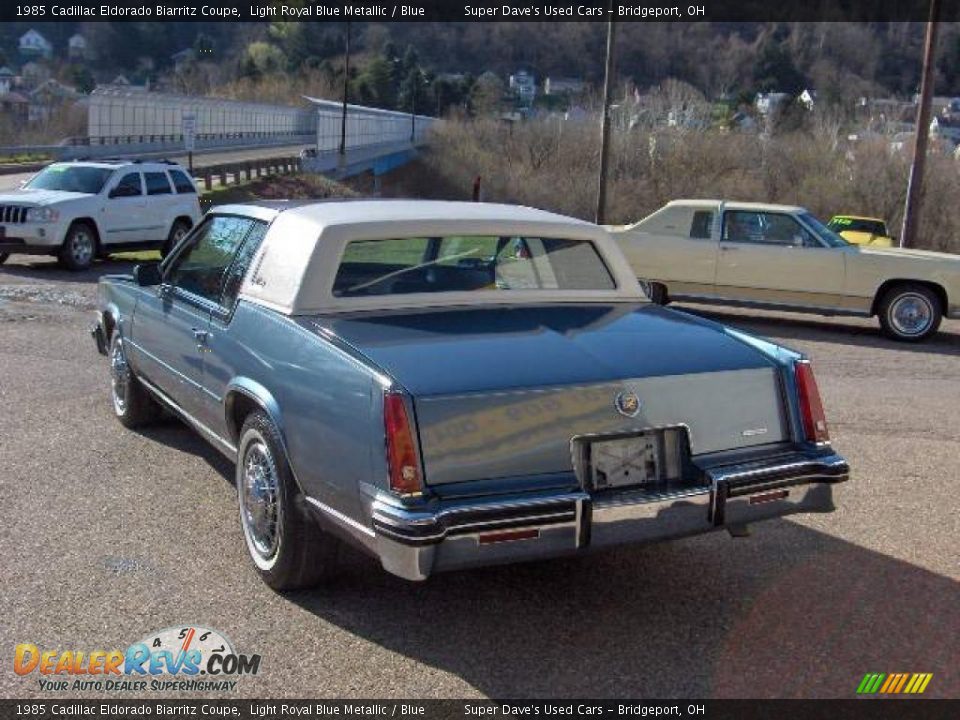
<point x="811" y="408"/>
<point x="401" y="451"/>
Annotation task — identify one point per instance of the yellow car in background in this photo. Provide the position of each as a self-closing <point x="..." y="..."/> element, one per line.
<point x="861" y="230"/>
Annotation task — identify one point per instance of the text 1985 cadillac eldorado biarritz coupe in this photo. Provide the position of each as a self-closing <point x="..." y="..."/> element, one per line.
<point x="448" y="385"/>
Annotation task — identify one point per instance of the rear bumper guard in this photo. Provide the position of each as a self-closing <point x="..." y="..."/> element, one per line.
<point x="413" y="544"/>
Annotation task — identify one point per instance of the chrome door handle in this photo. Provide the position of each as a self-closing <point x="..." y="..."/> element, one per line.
<point x="201" y="336"/>
<point x="728" y="248"/>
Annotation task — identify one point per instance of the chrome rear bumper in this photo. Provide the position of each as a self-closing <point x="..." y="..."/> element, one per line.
<point x="414" y="544"/>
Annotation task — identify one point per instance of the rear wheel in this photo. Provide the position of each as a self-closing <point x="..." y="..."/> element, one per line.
<point x="910" y="312"/>
<point x="132" y="404"/>
<point x="177" y="233"/>
<point x="288" y="549"/>
<point x="657" y="292"/>
<point x="79" y="247"/>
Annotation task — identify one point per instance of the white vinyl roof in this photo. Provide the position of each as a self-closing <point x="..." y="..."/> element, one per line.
<point x="294" y="270"/>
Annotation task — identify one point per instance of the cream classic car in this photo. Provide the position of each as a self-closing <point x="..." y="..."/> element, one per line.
<point x="780" y="256"/>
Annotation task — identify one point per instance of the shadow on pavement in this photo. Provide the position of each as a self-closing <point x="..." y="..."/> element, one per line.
<point x="43" y="268"/>
<point x="787" y="613"/>
<point x="946" y="342"/>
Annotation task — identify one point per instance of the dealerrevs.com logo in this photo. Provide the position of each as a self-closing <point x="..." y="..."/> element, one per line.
<point x="182" y="658"/>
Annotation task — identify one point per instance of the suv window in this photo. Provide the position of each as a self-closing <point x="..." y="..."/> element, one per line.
<point x="182" y="183"/>
<point x="129" y="186"/>
<point x="702" y="225"/>
<point x="201" y="267"/>
<point x="157" y="183"/>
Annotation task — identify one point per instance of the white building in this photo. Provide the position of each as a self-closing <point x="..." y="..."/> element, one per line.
<point x="524" y="86"/>
<point x="77" y="47"/>
<point x="33" y="44"/>
<point x="6" y="80"/>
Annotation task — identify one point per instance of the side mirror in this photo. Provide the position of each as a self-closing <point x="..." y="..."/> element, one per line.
<point x="147" y="274"/>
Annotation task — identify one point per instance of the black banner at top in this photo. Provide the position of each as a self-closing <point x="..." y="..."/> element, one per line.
<point x="40" y="11"/>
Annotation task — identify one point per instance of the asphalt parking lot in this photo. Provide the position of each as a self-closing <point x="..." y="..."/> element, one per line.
<point x="112" y="534"/>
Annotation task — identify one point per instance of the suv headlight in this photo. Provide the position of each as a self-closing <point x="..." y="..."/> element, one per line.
<point x="42" y="215"/>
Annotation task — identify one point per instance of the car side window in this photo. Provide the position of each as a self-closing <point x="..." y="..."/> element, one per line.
<point x="702" y="225"/>
<point x="157" y="183"/>
<point x="765" y="229"/>
<point x="129" y="186"/>
<point x="201" y="267"/>
<point x="182" y="183"/>
<point x="241" y="264"/>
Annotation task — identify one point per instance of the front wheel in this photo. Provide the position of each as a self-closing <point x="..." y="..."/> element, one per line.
<point x="79" y="247"/>
<point x="910" y="313"/>
<point x="287" y="548"/>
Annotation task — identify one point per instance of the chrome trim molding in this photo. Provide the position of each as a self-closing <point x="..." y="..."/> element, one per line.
<point x="224" y="446"/>
<point x="349" y="522"/>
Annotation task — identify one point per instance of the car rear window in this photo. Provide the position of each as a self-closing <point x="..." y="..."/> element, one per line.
<point x="182" y="183"/>
<point x="401" y="266"/>
<point x="157" y="183"/>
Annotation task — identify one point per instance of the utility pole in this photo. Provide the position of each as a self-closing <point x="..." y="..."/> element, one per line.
<point x="911" y="211"/>
<point x="346" y="91"/>
<point x="605" y="126"/>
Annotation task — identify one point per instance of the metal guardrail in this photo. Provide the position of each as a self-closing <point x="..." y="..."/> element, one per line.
<point x="233" y="173"/>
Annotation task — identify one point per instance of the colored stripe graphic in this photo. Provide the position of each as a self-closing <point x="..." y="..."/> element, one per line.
<point x="894" y="683"/>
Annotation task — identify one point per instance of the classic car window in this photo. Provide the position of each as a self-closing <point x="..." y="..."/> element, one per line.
<point x="831" y="238"/>
<point x="241" y="263"/>
<point x="201" y="267"/>
<point x="469" y="263"/>
<point x="765" y="228"/>
<point x="873" y="227"/>
<point x="157" y="183"/>
<point x="129" y="186"/>
<point x="702" y="225"/>
<point x="182" y="183"/>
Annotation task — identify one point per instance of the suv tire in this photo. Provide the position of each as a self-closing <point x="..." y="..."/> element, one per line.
<point x="79" y="247"/>
<point x="180" y="228"/>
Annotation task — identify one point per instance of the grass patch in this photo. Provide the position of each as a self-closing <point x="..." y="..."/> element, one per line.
<point x="277" y="187"/>
<point x="24" y="158"/>
<point x="137" y="256"/>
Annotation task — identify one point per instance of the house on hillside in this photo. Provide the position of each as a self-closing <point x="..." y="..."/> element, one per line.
<point x="35" y="45"/>
<point x="808" y="98"/>
<point x="77" y="47"/>
<point x="563" y="86"/>
<point x="7" y="79"/>
<point x="49" y="98"/>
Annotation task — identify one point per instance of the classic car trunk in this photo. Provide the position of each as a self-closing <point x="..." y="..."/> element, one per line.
<point x="502" y="392"/>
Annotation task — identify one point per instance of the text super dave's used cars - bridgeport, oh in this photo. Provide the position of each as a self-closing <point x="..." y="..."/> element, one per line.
<point x="447" y="385"/>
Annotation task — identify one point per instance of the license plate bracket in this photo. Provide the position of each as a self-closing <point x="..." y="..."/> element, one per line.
<point x="639" y="459"/>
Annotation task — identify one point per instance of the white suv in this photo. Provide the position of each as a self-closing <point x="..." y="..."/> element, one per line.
<point x="81" y="210"/>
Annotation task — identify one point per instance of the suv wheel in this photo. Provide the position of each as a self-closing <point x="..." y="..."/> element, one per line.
<point x="79" y="248"/>
<point x="177" y="233"/>
<point x="910" y="312"/>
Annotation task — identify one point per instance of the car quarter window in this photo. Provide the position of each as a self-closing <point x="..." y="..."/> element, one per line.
<point x="129" y="186"/>
<point x="701" y="228"/>
<point x="741" y="226"/>
<point x="182" y="183"/>
<point x="469" y="263"/>
<point x="157" y="183"/>
<point x="241" y="264"/>
<point x="201" y="267"/>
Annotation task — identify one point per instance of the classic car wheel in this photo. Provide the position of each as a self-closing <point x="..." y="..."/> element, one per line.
<point x="177" y="233"/>
<point x="656" y="292"/>
<point x="79" y="248"/>
<point x="132" y="404"/>
<point x="910" y="313"/>
<point x="287" y="548"/>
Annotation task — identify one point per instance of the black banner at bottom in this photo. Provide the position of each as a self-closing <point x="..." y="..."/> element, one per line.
<point x="501" y="710"/>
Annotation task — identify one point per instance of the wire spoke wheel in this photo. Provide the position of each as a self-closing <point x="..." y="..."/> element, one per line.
<point x="119" y="378"/>
<point x="911" y="314"/>
<point x="260" y="505"/>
